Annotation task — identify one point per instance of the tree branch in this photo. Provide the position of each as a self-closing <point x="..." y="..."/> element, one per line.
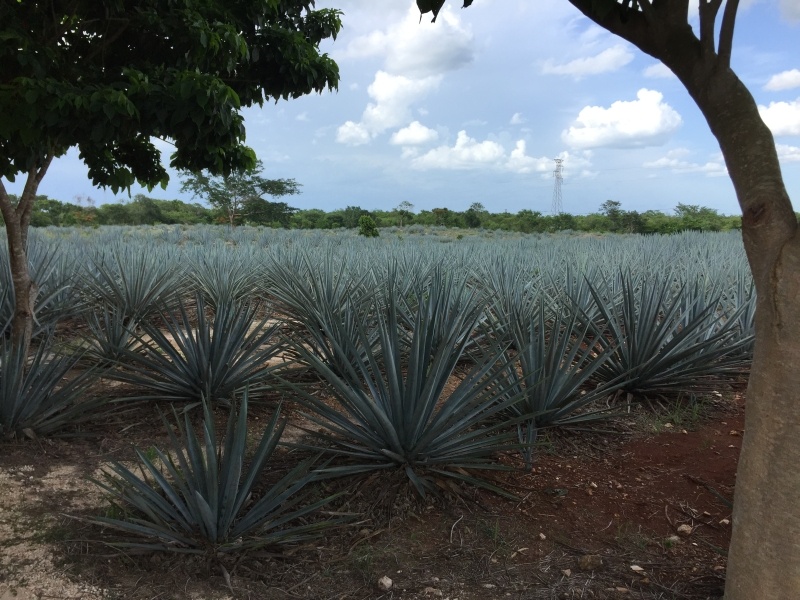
<point x="726" y="33"/>
<point x="708" y="17"/>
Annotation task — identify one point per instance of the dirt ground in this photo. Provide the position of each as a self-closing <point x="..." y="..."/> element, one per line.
<point x="640" y="513"/>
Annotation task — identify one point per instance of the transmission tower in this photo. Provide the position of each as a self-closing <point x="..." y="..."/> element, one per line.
<point x="558" y="176"/>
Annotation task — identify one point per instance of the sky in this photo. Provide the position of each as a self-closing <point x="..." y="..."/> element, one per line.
<point x="476" y="107"/>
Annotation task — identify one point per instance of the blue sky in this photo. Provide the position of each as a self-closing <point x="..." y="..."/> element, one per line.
<point x="475" y="107"/>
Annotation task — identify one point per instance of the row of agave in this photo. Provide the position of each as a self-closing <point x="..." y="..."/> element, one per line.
<point x="434" y="369"/>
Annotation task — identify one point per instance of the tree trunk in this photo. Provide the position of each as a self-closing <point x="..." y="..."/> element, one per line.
<point x="17" y="221"/>
<point x="764" y="556"/>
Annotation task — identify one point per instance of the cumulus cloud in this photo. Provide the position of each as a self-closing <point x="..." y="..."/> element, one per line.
<point x="610" y="59"/>
<point x="470" y="154"/>
<point x="415" y="59"/>
<point x="392" y="97"/>
<point x="674" y="161"/>
<point x="416" y="51"/>
<point x="415" y="134"/>
<point x="467" y="153"/>
<point x="517" y="119"/>
<point x="658" y="71"/>
<point x="519" y="162"/>
<point x="783" y="118"/>
<point x="788" y="153"/>
<point x="352" y="134"/>
<point x="646" y="121"/>
<point x="785" y="80"/>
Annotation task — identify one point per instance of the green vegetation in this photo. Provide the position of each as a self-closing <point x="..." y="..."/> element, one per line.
<point x="200" y="497"/>
<point x="142" y="210"/>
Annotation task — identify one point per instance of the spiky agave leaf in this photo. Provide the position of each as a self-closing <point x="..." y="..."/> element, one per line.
<point x="36" y="398"/>
<point x="660" y="343"/>
<point x="393" y="410"/>
<point x="327" y="304"/>
<point x="134" y="280"/>
<point x="197" y="355"/>
<point x="197" y="497"/>
<point x="558" y="353"/>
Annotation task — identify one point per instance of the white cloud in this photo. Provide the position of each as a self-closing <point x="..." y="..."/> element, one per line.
<point x="418" y="51"/>
<point x="415" y="134"/>
<point x="788" y="153"/>
<point x="610" y="59"/>
<point x="467" y="153"/>
<point x="675" y="163"/>
<point x="783" y="118"/>
<point x="646" y="121"/>
<point x="415" y="60"/>
<point x="785" y="80"/>
<point x="352" y="134"/>
<point x="303" y="116"/>
<point x="392" y="97"/>
<point x="517" y="119"/>
<point x="790" y="9"/>
<point x="519" y="162"/>
<point x="658" y="71"/>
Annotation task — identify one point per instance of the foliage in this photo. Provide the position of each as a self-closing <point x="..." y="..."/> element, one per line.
<point x="35" y="400"/>
<point x="666" y="340"/>
<point x="391" y="410"/>
<point x="193" y="356"/>
<point x="367" y="227"/>
<point x="108" y="78"/>
<point x="56" y="298"/>
<point x="240" y="194"/>
<point x="328" y="304"/>
<point x="199" y="498"/>
<point x="558" y="355"/>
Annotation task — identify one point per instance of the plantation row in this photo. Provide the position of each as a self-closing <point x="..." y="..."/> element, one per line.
<point x="419" y="355"/>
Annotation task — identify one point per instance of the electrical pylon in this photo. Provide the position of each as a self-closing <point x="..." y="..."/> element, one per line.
<point x="558" y="176"/>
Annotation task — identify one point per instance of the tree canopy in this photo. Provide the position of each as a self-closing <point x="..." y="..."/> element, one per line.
<point x="108" y="76"/>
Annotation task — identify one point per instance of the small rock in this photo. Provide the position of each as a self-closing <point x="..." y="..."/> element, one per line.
<point x="725" y="522"/>
<point x="673" y="539"/>
<point x="637" y="569"/>
<point x="590" y="562"/>
<point x="685" y="530"/>
<point x="621" y="590"/>
<point x="384" y="583"/>
<point x="429" y="591"/>
<point x="667" y="425"/>
<point x="567" y="572"/>
<point x="542" y="536"/>
<point x="593" y="485"/>
<point x="489" y="586"/>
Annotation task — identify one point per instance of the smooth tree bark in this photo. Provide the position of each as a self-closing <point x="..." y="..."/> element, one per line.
<point x="17" y="219"/>
<point x="764" y="557"/>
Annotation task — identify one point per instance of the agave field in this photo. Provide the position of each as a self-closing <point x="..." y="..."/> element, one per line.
<point x="424" y="365"/>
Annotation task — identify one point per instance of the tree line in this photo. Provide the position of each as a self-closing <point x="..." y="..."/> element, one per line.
<point x="609" y="218"/>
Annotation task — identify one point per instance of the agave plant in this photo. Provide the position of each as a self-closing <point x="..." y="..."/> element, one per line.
<point x="196" y="355"/>
<point x="392" y="411"/>
<point x="200" y="498"/>
<point x="224" y="277"/>
<point x="52" y="269"/>
<point x="132" y="281"/>
<point x="558" y="354"/>
<point x="661" y="343"/>
<point x="35" y="398"/>
<point x="329" y="307"/>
